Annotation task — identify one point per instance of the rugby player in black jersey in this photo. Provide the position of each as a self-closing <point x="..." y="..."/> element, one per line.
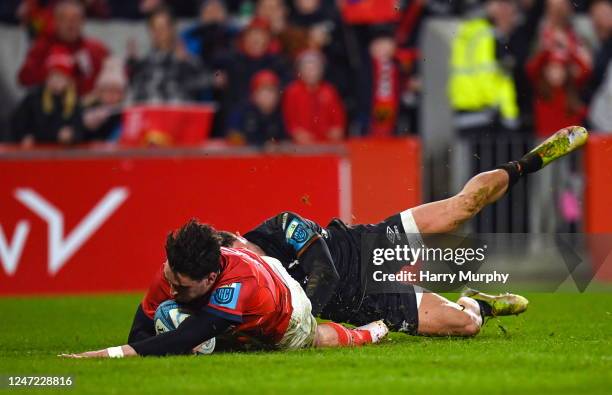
<point x="328" y="259"/>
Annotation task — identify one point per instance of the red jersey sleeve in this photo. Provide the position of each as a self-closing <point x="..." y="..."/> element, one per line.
<point x="158" y="292"/>
<point x="230" y="300"/>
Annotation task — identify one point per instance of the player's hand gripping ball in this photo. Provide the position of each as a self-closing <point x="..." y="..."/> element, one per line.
<point x="169" y="315"/>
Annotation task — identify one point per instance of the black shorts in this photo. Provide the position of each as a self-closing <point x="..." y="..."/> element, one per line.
<point x="399" y="228"/>
<point x="398" y="310"/>
<point x="355" y="303"/>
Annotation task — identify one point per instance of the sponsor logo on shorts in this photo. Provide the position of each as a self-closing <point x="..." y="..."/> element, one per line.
<point x="390" y="235"/>
<point x="397" y="233"/>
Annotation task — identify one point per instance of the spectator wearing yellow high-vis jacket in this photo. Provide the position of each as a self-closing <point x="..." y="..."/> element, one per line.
<point x="481" y="90"/>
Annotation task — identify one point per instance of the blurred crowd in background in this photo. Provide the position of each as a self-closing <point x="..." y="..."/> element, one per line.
<point x="311" y="71"/>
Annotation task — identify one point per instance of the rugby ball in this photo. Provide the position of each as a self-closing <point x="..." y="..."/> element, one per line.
<point x="169" y="316"/>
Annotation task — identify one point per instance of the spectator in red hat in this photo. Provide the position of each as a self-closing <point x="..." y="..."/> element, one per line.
<point x="260" y="121"/>
<point x="253" y="55"/>
<point x="50" y="114"/>
<point x="312" y="107"/>
<point x="89" y="54"/>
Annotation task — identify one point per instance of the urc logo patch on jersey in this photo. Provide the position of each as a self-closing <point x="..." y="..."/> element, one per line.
<point x="298" y="234"/>
<point x="226" y="296"/>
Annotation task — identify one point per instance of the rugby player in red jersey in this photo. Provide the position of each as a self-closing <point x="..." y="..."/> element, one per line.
<point x="232" y="291"/>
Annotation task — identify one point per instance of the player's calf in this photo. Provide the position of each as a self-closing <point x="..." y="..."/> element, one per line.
<point x="332" y="334"/>
<point x="481" y="190"/>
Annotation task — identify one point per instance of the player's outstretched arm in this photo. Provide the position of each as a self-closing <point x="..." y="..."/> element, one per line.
<point x="195" y="330"/>
<point x="112" y="352"/>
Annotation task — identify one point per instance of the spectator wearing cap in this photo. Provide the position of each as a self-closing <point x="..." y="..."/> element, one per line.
<point x="260" y="121"/>
<point x="313" y="110"/>
<point x="49" y="114"/>
<point x="89" y="54"/>
<point x="102" y="112"/>
<point x="167" y="73"/>
<point x="253" y="55"/>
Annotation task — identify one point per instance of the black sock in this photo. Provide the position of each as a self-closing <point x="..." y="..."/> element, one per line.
<point x="485" y="310"/>
<point x="514" y="172"/>
<point x="530" y="163"/>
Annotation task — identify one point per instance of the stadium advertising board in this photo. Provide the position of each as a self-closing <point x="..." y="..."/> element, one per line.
<point x="105" y="227"/>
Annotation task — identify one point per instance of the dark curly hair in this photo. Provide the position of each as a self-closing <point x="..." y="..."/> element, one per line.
<point x="227" y="238"/>
<point x="194" y="250"/>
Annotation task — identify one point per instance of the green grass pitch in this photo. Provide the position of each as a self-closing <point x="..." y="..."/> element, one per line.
<point x="561" y="345"/>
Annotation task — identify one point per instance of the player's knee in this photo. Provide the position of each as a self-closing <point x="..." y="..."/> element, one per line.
<point x="465" y="324"/>
<point x="471" y="328"/>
